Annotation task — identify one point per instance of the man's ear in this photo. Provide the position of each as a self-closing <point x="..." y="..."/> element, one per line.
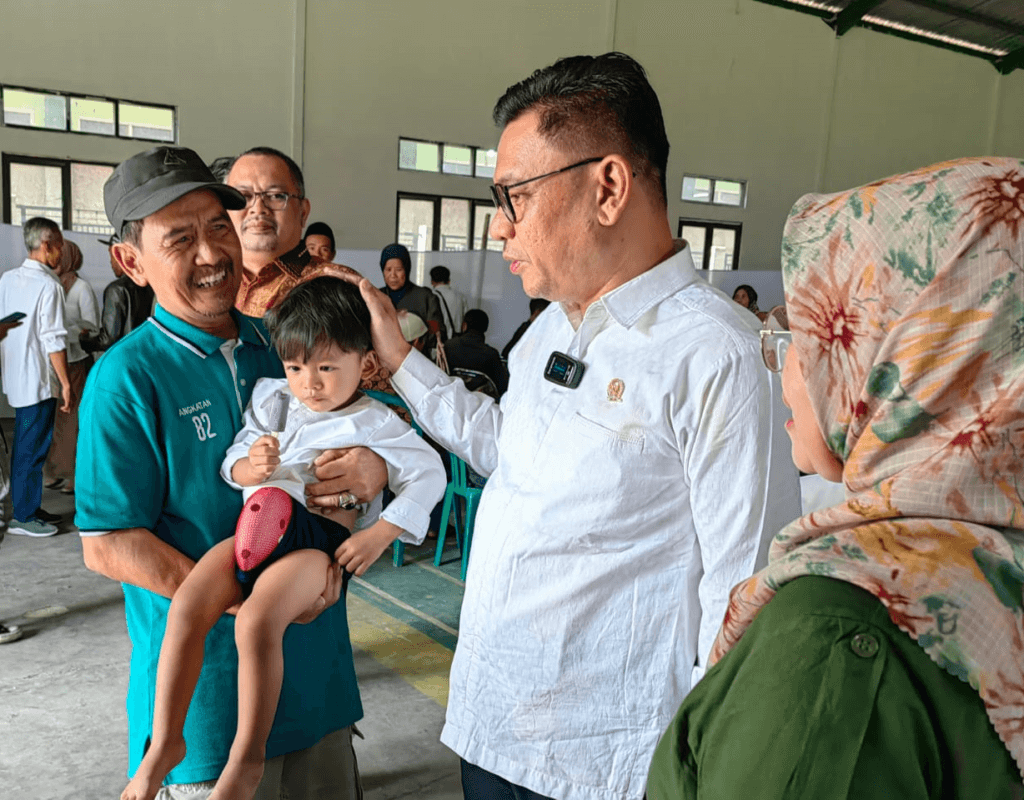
<point x="127" y="257"/>
<point x="370" y="364"/>
<point x="305" y="212"/>
<point x="615" y="187"/>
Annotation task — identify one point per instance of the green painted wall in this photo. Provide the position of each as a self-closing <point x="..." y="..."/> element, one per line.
<point x="749" y="91"/>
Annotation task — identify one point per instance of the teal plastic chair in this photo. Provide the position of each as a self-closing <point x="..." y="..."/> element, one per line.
<point x="398" y="557"/>
<point x="458" y="487"/>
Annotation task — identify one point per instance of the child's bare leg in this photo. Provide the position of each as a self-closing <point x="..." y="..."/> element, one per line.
<point x="206" y="593"/>
<point x="283" y="591"/>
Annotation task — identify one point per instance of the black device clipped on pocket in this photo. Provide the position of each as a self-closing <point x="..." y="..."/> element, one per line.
<point x="564" y="370"/>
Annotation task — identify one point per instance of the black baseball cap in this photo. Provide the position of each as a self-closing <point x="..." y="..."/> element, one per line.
<point x="147" y="182"/>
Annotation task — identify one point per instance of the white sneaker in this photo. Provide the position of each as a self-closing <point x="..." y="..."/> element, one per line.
<point x="9" y="633"/>
<point x="32" y="527"/>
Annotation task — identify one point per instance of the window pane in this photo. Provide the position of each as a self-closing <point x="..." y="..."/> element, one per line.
<point x="146" y="122"/>
<point x="417" y="155"/>
<point x="416" y="223"/>
<point x="723" y="247"/>
<point x="35" y="109"/>
<point x="729" y="193"/>
<point x="454" y="224"/>
<point x="694" y="235"/>
<point x="697" y="190"/>
<point x="92" y="116"/>
<point x="87" y="212"/>
<point x="482" y="216"/>
<point x="485" y="161"/>
<point x="457" y="160"/>
<point x="36" y="191"/>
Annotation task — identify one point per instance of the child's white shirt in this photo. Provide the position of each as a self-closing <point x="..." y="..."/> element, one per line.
<point x="415" y="473"/>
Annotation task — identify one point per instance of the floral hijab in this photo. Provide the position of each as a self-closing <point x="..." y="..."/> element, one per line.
<point x="906" y="302"/>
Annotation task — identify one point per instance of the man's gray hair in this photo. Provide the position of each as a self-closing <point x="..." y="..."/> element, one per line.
<point x="38" y="230"/>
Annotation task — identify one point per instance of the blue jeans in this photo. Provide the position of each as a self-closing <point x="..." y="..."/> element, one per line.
<point x="479" y="784"/>
<point x="33" y="432"/>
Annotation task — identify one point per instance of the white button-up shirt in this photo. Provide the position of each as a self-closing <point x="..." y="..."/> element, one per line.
<point x="415" y="472"/>
<point x="617" y="517"/>
<point x="81" y="313"/>
<point x="33" y="289"/>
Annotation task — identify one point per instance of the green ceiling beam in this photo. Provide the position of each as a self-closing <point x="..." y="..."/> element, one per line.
<point x="1010" y="61"/>
<point x="850" y="16"/>
<point x="969" y="16"/>
<point x="853" y="15"/>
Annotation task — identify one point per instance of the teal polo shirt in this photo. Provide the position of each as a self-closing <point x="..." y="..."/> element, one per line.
<point x="159" y="411"/>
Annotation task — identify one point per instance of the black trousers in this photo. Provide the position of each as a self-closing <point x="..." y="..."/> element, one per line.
<point x="479" y="784"/>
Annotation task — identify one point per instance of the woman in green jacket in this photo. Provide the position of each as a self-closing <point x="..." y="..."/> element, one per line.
<point x="881" y="651"/>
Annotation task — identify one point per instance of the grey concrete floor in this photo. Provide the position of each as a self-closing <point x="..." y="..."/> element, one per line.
<point x="63" y="732"/>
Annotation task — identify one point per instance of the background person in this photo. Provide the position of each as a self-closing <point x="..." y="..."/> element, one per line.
<point x="274" y="255"/>
<point x="126" y="305"/>
<point x="453" y="303"/>
<point x="537" y="304"/>
<point x="879" y="654"/>
<point x="220" y="167"/>
<point x="618" y="509"/>
<point x="28" y="353"/>
<point x="396" y="265"/>
<point x="81" y="316"/>
<point x="8" y="633"/>
<point x="746" y="296"/>
<point x="319" y="240"/>
<point x="469" y="350"/>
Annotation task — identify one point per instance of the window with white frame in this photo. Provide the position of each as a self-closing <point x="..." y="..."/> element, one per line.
<point x="68" y="192"/>
<point x="713" y="245"/>
<point x="75" y="113"/>
<point x="433" y="222"/>
<point x="714" y="191"/>
<point x="444" y="157"/>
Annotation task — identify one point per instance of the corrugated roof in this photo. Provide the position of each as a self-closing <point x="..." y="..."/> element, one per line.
<point x="989" y="29"/>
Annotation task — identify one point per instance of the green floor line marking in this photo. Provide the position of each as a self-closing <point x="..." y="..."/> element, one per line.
<point x="405" y="606"/>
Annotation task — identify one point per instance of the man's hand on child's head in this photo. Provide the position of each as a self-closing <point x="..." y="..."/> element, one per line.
<point x="265" y="456"/>
<point x="361" y="549"/>
<point x="388" y="342"/>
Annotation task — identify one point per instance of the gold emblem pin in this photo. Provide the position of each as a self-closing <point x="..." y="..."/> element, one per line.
<point x="615" y="389"/>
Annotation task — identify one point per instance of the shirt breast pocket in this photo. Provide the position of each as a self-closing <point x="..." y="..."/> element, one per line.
<point x="627" y="440"/>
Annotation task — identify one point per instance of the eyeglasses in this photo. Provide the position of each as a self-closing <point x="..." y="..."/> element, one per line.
<point x="503" y="200"/>
<point x="775" y="341"/>
<point x="275" y="201"/>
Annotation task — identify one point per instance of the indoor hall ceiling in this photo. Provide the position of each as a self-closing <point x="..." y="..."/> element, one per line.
<point x="989" y="29"/>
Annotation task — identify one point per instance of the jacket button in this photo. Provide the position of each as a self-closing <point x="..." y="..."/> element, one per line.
<point x="864" y="645"/>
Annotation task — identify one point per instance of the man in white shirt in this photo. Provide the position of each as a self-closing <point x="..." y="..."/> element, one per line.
<point x="27" y="353"/>
<point x="634" y="471"/>
<point x="453" y="304"/>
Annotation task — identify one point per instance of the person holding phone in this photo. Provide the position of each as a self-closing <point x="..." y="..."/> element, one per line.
<point x="8" y="633"/>
<point x="27" y="353"/>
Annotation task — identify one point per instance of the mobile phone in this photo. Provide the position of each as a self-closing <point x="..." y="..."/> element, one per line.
<point x="13" y="317"/>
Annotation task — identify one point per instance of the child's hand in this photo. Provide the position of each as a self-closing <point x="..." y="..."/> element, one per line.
<point x="361" y="549"/>
<point x="264" y="457"/>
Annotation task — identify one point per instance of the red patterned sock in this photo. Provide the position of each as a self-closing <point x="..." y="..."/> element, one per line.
<point x="261" y="525"/>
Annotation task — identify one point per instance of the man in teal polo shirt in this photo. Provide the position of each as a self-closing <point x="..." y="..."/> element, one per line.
<point x="159" y="411"/>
